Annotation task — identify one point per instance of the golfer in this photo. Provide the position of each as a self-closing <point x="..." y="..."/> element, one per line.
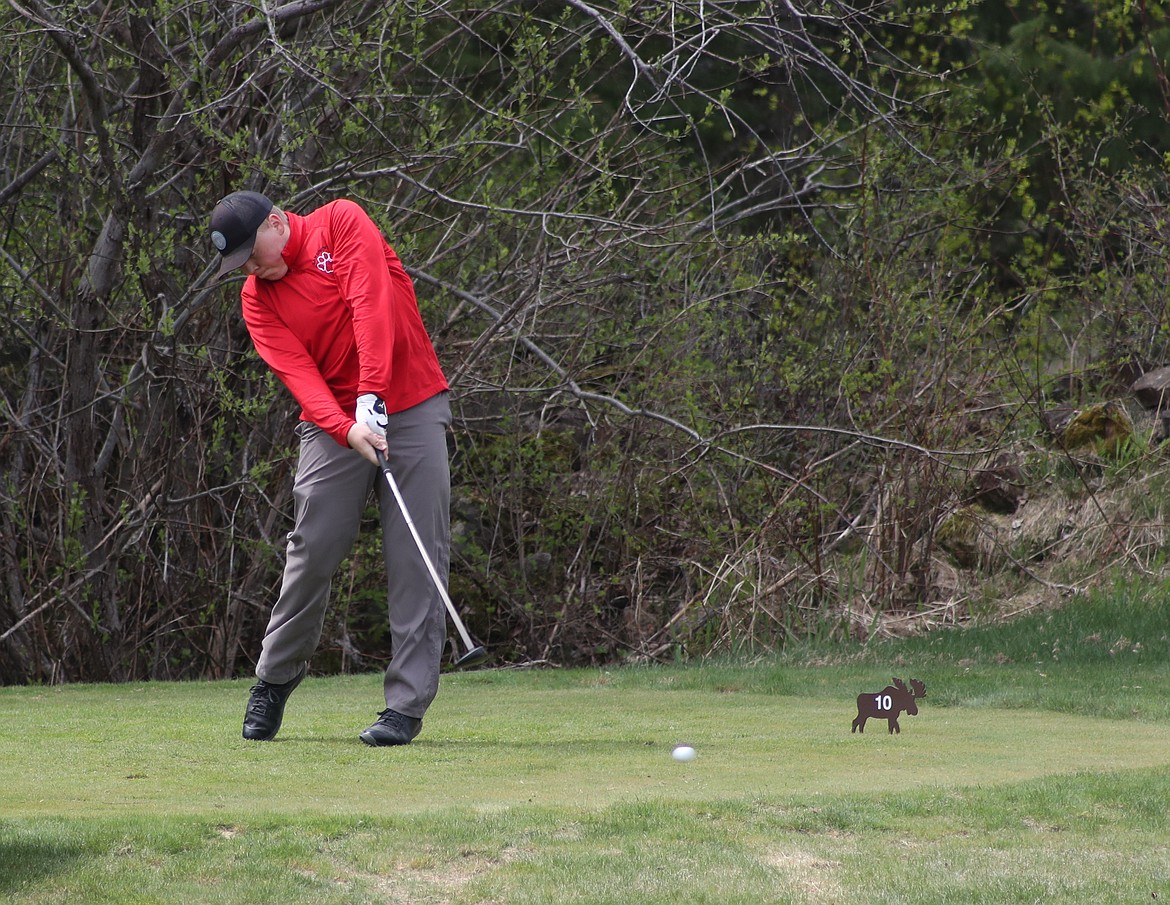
<point x="333" y="313"/>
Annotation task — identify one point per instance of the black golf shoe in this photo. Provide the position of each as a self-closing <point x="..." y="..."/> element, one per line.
<point x="265" y="709"/>
<point x="392" y="728"/>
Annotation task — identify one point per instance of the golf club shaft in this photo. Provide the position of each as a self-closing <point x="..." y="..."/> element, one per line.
<point x="459" y="626"/>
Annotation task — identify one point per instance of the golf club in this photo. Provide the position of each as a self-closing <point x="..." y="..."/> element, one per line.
<point x="475" y="653"/>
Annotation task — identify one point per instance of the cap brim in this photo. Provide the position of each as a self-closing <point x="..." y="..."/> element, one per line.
<point x="235" y="260"/>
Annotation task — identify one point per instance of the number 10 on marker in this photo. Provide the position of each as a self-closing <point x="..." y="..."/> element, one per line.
<point x="883" y="701"/>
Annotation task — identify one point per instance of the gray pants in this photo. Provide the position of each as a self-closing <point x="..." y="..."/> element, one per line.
<point x="330" y="492"/>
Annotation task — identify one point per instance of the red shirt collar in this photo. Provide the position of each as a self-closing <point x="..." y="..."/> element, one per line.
<point x="296" y="238"/>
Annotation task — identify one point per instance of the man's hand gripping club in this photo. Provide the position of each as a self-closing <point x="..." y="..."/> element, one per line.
<point x="368" y="434"/>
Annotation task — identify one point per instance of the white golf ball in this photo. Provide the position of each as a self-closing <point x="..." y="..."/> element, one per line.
<point x="683" y="753"/>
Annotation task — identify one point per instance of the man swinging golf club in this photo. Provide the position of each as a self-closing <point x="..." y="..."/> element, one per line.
<point x="333" y="313"/>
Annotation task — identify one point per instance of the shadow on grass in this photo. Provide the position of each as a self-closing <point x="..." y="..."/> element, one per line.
<point x="462" y="743"/>
<point x="24" y="861"/>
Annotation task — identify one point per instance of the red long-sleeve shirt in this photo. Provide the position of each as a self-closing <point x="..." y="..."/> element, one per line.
<point x="343" y="321"/>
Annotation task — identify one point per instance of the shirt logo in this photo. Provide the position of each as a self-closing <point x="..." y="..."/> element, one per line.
<point x="325" y="260"/>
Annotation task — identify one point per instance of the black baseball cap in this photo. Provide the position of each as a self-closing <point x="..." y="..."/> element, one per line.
<point x="233" y="227"/>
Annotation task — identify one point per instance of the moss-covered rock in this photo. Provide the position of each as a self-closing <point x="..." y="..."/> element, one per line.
<point x="1104" y="425"/>
<point x="958" y="535"/>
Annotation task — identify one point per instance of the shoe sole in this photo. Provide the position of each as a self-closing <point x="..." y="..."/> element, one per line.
<point x="374" y="743"/>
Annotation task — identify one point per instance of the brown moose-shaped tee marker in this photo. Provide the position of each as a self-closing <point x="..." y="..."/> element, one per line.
<point x="888" y="703"/>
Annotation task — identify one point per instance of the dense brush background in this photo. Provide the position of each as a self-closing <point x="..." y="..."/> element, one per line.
<point x="737" y="299"/>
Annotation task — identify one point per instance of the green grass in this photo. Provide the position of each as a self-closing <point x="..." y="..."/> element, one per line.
<point x="1038" y="769"/>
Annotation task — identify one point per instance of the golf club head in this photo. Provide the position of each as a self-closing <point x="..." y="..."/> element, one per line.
<point x="473" y="656"/>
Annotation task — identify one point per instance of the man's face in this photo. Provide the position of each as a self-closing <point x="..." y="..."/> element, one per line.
<point x="266" y="262"/>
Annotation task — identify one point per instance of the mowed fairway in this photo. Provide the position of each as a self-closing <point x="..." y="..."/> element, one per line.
<point x="580" y="740"/>
<point x="1038" y="770"/>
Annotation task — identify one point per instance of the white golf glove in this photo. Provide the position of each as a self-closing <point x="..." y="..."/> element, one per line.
<point x="371" y="411"/>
